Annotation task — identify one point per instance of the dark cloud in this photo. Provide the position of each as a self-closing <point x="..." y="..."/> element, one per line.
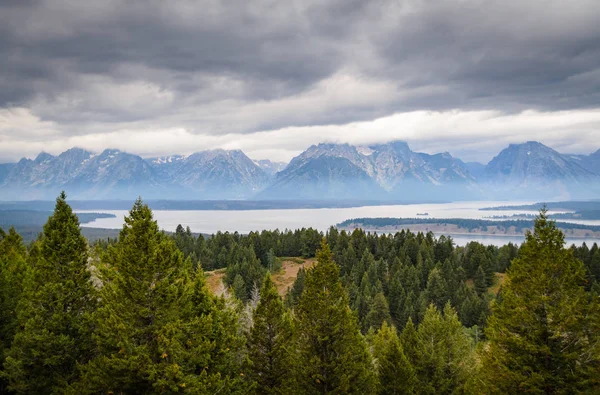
<point x="200" y="64"/>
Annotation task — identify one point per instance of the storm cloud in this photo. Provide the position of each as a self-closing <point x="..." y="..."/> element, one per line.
<point x="154" y="76"/>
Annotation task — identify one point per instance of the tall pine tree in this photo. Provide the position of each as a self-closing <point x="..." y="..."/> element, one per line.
<point x="270" y="344"/>
<point x="53" y="314"/>
<point x="333" y="354"/>
<point x="155" y="328"/>
<point x="543" y="335"/>
<point x="13" y="269"/>
<point x="396" y="374"/>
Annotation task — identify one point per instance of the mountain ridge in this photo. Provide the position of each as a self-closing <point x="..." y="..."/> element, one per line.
<point x="390" y="171"/>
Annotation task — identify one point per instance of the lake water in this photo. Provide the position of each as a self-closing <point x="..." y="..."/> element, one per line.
<point x="244" y="221"/>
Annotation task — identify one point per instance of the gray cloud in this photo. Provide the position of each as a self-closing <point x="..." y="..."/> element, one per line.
<point x="237" y="67"/>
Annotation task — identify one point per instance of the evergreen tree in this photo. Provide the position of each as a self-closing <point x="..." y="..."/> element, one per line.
<point x="379" y="313"/>
<point x="293" y="294"/>
<point x="13" y="269"/>
<point x="443" y="353"/>
<point x="155" y="330"/>
<point x="333" y="354"/>
<point x="53" y="313"/>
<point x="480" y="282"/>
<point x="270" y="344"/>
<point x="396" y="374"/>
<point x="544" y="333"/>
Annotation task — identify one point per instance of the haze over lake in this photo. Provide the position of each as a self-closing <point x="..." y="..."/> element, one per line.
<point x="244" y="221"/>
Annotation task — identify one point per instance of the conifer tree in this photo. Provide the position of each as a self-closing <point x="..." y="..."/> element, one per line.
<point x="543" y="334"/>
<point x="333" y="354"/>
<point x="379" y="313"/>
<point x="396" y="374"/>
<point x="155" y="330"/>
<point x="53" y="313"/>
<point x="480" y="282"/>
<point x="13" y="269"/>
<point x="443" y="353"/>
<point x="270" y="344"/>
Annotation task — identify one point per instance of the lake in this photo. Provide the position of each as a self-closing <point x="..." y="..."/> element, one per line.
<point x="244" y="221"/>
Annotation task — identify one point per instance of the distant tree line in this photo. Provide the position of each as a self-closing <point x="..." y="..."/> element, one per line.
<point x="520" y="225"/>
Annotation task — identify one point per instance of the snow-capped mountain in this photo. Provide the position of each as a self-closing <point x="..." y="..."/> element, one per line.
<point x="393" y="169"/>
<point x="214" y="174"/>
<point x="389" y="171"/>
<point x="114" y="174"/>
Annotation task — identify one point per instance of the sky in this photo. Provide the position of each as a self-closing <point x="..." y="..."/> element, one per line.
<point x="273" y="77"/>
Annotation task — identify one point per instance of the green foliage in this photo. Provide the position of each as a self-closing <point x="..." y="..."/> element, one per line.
<point x="270" y="344"/>
<point x="396" y="374"/>
<point x="157" y="329"/>
<point x="544" y="333"/>
<point x="441" y="352"/>
<point x="333" y="354"/>
<point x="53" y="313"/>
<point x="13" y="269"/>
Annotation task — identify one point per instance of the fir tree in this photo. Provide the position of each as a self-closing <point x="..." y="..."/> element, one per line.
<point x="480" y="282"/>
<point x="333" y="354"/>
<point x="442" y="353"/>
<point x="53" y="313"/>
<point x="544" y="332"/>
<point x="379" y="313"/>
<point x="13" y="269"/>
<point x="155" y="331"/>
<point x="396" y="374"/>
<point x="270" y="344"/>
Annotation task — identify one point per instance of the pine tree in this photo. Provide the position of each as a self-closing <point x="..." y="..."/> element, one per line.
<point x="396" y="374"/>
<point x="270" y="344"/>
<point x="53" y="314"/>
<point x="333" y="354"/>
<point x="155" y="330"/>
<point x="379" y="313"/>
<point x="544" y="332"/>
<point x="443" y="353"/>
<point x="13" y="269"/>
<point x="480" y="282"/>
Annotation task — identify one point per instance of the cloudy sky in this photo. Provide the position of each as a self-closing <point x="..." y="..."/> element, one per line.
<point x="274" y="77"/>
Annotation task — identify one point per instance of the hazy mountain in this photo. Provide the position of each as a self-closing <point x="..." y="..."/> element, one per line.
<point x="218" y="174"/>
<point x="389" y="171"/>
<point x="589" y="162"/>
<point x="532" y="169"/>
<point x="323" y="177"/>
<point x="396" y="172"/>
<point x="269" y="167"/>
<point x="114" y="174"/>
<point x="476" y="169"/>
<point x="4" y="171"/>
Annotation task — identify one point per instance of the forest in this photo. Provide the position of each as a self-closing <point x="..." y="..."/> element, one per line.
<point x="406" y="313"/>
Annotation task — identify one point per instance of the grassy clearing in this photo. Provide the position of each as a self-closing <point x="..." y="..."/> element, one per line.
<point x="290" y="266"/>
<point x="498" y="281"/>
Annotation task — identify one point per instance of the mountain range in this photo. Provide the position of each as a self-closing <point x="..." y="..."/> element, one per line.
<point x="389" y="171"/>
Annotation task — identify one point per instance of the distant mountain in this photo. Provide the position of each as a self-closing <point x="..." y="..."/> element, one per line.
<point x="476" y="169"/>
<point x="214" y="174"/>
<point x="382" y="172"/>
<point x="394" y="171"/>
<point x="5" y="170"/>
<point x="589" y="162"/>
<point x="532" y="168"/>
<point x="114" y="174"/>
<point x="323" y="177"/>
<point x="271" y="168"/>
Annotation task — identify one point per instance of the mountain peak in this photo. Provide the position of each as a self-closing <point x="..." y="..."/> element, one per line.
<point x="42" y="157"/>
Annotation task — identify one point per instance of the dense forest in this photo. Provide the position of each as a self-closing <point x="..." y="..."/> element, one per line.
<point x="377" y="314"/>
